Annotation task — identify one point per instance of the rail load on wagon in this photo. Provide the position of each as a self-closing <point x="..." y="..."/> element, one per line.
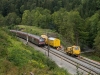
<point x="45" y="37"/>
<point x="54" y="42"/>
<point x="73" y="50"/>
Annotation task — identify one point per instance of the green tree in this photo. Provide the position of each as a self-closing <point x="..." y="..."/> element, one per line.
<point x="46" y="19"/>
<point x="92" y="28"/>
<point x="70" y="25"/>
<point x="1" y="20"/>
<point x="97" y="38"/>
<point x="12" y="18"/>
<point x="97" y="43"/>
<point x="98" y="4"/>
<point x="77" y="22"/>
<point x="26" y="18"/>
<point x="38" y="17"/>
<point x="22" y="8"/>
<point x="63" y="25"/>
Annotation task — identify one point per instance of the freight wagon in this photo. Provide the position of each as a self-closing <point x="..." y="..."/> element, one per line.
<point x="54" y="42"/>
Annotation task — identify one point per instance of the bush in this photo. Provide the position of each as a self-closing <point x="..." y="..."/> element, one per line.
<point x="50" y="64"/>
<point x="19" y="57"/>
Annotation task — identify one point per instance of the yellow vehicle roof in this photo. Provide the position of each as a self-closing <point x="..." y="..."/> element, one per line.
<point x="51" y="38"/>
<point x="69" y="47"/>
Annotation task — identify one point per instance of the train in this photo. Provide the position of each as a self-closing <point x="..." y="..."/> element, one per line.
<point x="51" y="41"/>
<point x="30" y="37"/>
<point x="73" y="50"/>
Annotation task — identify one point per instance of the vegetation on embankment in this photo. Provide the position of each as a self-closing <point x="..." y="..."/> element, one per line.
<point x="17" y="58"/>
<point x="91" y="55"/>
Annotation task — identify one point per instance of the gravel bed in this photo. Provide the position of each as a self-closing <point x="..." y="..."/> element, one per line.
<point x="61" y="63"/>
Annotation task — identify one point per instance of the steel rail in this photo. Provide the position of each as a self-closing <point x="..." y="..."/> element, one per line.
<point x="75" y="63"/>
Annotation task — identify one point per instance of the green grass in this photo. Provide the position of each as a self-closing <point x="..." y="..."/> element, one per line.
<point x="17" y="58"/>
<point x="91" y="55"/>
<point x="34" y="29"/>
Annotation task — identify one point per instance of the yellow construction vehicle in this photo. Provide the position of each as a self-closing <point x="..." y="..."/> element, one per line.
<point x="73" y="50"/>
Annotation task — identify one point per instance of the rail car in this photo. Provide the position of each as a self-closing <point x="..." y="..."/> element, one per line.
<point x="30" y="37"/>
<point x="54" y="42"/>
<point x="46" y="38"/>
<point x="73" y="50"/>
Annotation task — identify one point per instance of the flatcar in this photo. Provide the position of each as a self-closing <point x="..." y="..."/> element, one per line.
<point x="30" y="37"/>
<point x="73" y="50"/>
<point x="54" y="42"/>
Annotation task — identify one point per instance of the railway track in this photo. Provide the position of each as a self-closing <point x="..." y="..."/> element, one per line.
<point x="89" y="62"/>
<point x="94" y="70"/>
<point x="81" y="58"/>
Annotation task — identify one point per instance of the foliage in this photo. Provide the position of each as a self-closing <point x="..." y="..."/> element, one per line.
<point x="92" y="25"/>
<point x="76" y="20"/>
<point x="97" y="40"/>
<point x="85" y="7"/>
<point x="12" y="19"/>
<point x="60" y="19"/>
<point x="33" y="29"/>
<point x="3" y="44"/>
<point x="92" y="56"/>
<point x="38" y="17"/>
<point x="50" y="64"/>
<point x="17" y="58"/>
<point x="2" y="19"/>
<point x="69" y="25"/>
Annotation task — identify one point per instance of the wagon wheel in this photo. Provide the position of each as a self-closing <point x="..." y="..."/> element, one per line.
<point x="67" y="53"/>
<point x="71" y="52"/>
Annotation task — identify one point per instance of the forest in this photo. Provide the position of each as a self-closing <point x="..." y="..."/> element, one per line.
<point x="77" y="20"/>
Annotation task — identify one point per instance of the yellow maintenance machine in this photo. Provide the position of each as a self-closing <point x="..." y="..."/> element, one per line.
<point x="73" y="50"/>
